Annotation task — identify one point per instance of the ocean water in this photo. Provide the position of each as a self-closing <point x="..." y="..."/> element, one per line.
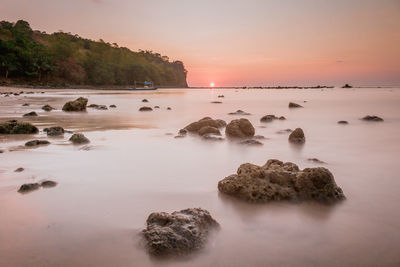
<point x="134" y="166"/>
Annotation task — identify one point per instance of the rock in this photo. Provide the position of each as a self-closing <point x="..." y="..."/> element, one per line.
<point x="182" y="132"/>
<point x="145" y="100"/>
<point x="15" y="127"/>
<point x="76" y="105"/>
<point x="240" y="128"/>
<point x="156" y="106"/>
<point x="297" y="136"/>
<point x="30" y="114"/>
<point x="101" y="107"/>
<point x="179" y="136"/>
<point x="343" y="122"/>
<point x="347" y="86"/>
<point x="372" y="118"/>
<point x="25" y="188"/>
<point x="145" y="109"/>
<point x="269" y="118"/>
<point x="79" y="138"/>
<point x="209" y="130"/>
<point x="251" y="142"/>
<point x="258" y="137"/>
<point x="47" y="108"/>
<point x="168" y="108"/>
<point x="277" y="181"/>
<point x="19" y="170"/>
<point x="216" y="102"/>
<point x="48" y="183"/>
<point x="282" y="118"/>
<point x="294" y="105"/>
<point x="113" y="106"/>
<point x="284" y="131"/>
<point x="1" y="151"/>
<point x="25" y="105"/>
<point x="315" y="160"/>
<point x="239" y="112"/>
<point x="93" y="106"/>
<point x="37" y="143"/>
<point x="220" y="96"/>
<point x="178" y="233"/>
<point x="54" y="131"/>
<point x="195" y="127"/>
<point x="212" y="137"/>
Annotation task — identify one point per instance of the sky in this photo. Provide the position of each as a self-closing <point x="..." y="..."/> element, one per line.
<point x="240" y="42"/>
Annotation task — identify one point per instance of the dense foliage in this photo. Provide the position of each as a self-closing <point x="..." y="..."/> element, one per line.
<point x="62" y="58"/>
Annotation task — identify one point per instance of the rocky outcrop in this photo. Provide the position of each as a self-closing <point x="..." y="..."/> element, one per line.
<point x="239" y="112"/>
<point x="269" y="118"/>
<point x="145" y="109"/>
<point x="210" y="126"/>
<point x="251" y="142"/>
<point x="372" y="118"/>
<point x="79" y="138"/>
<point x="54" y="131"/>
<point x="15" y="127"/>
<point x="47" y="108"/>
<point x="76" y="105"/>
<point x="294" y="105"/>
<point x="36" y="143"/>
<point x="240" y="128"/>
<point x="297" y="136"/>
<point x="178" y="233"/>
<point x="277" y="181"/>
<point x="31" y="114"/>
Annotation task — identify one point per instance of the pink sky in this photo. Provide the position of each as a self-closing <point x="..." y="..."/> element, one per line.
<point x="237" y="43"/>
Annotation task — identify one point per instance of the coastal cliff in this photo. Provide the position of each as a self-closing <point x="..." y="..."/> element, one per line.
<point x="29" y="57"/>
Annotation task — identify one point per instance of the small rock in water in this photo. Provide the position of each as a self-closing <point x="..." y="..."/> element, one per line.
<point x="315" y="160"/>
<point x="101" y="107"/>
<point x="168" y="108"/>
<point x="251" y="142"/>
<point x="156" y="106"/>
<point x="76" y="105"/>
<point x="25" y="105"/>
<point x="343" y="122"/>
<point x="182" y="132"/>
<point x="220" y="96"/>
<point x="297" y="136"/>
<point x="179" y="233"/>
<point x="294" y="105"/>
<point x="145" y="109"/>
<point x="276" y="181"/>
<point x="79" y="138"/>
<point x="19" y="170"/>
<point x="30" y="114"/>
<point x="145" y="100"/>
<point x="54" y="131"/>
<point x="36" y="143"/>
<point x="269" y="118"/>
<point x="1" y="151"/>
<point x="48" y="183"/>
<point x="93" y="106"/>
<point x="113" y="106"/>
<point x="25" y="188"/>
<point x="372" y="118"/>
<point x="216" y="102"/>
<point x="240" y="128"/>
<point x="239" y="112"/>
<point x="258" y="137"/>
<point x="47" y="108"/>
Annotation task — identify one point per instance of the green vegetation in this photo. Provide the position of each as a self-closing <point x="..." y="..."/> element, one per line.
<point x="60" y="59"/>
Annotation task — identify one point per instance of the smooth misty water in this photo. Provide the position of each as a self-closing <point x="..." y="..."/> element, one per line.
<point x="132" y="168"/>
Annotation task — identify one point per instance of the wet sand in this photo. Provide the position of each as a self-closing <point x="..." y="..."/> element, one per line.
<point x="131" y="168"/>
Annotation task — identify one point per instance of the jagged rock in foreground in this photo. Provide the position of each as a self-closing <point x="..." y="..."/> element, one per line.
<point x="76" y="105"/>
<point x="178" y="233"/>
<point x="15" y="127"/>
<point x="79" y="138"/>
<point x="372" y="118"/>
<point x="294" y="105"/>
<point x="297" y="136"/>
<point x="206" y="126"/>
<point x="54" y="131"/>
<point x="241" y="128"/>
<point x="277" y="181"/>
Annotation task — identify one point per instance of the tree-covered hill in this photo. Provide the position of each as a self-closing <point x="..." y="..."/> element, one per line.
<point x="34" y="57"/>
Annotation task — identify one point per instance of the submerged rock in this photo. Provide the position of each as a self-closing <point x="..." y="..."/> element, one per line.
<point x="239" y="112"/>
<point x="210" y="126"/>
<point x="76" y="105"/>
<point x="25" y="188"/>
<point x="54" y="131"/>
<point x="343" y="122"/>
<point x="216" y="102"/>
<point x="25" y="105"/>
<point x="269" y="118"/>
<point x="37" y="143"/>
<point x="47" y="108"/>
<point x="240" y="128"/>
<point x="15" y="127"/>
<point x="315" y="160"/>
<point x="294" y="105"/>
<point x="284" y="131"/>
<point x="251" y="142"/>
<point x="156" y="106"/>
<point x="113" y="106"/>
<point x="277" y="181"/>
<point x="48" y="183"/>
<point x="31" y="114"/>
<point x="19" y="169"/>
<point x="178" y="233"/>
<point x="297" y="136"/>
<point x="99" y="107"/>
<point x="79" y="138"/>
<point x="145" y="100"/>
<point x="145" y="109"/>
<point x="372" y="118"/>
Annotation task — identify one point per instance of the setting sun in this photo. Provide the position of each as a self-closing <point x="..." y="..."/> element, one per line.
<point x="212" y="84"/>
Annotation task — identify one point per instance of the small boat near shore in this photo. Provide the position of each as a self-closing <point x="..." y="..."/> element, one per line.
<point x="147" y="86"/>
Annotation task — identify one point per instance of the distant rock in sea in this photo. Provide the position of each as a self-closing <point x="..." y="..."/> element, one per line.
<point x="372" y="118"/>
<point x="297" y="136"/>
<point x="31" y="114"/>
<point x="145" y="109"/>
<point x="239" y="112"/>
<point x="294" y="105"/>
<point x="76" y="105"/>
<point x="343" y="122"/>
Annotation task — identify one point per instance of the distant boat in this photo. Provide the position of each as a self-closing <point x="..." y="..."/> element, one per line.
<point x="147" y="86"/>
